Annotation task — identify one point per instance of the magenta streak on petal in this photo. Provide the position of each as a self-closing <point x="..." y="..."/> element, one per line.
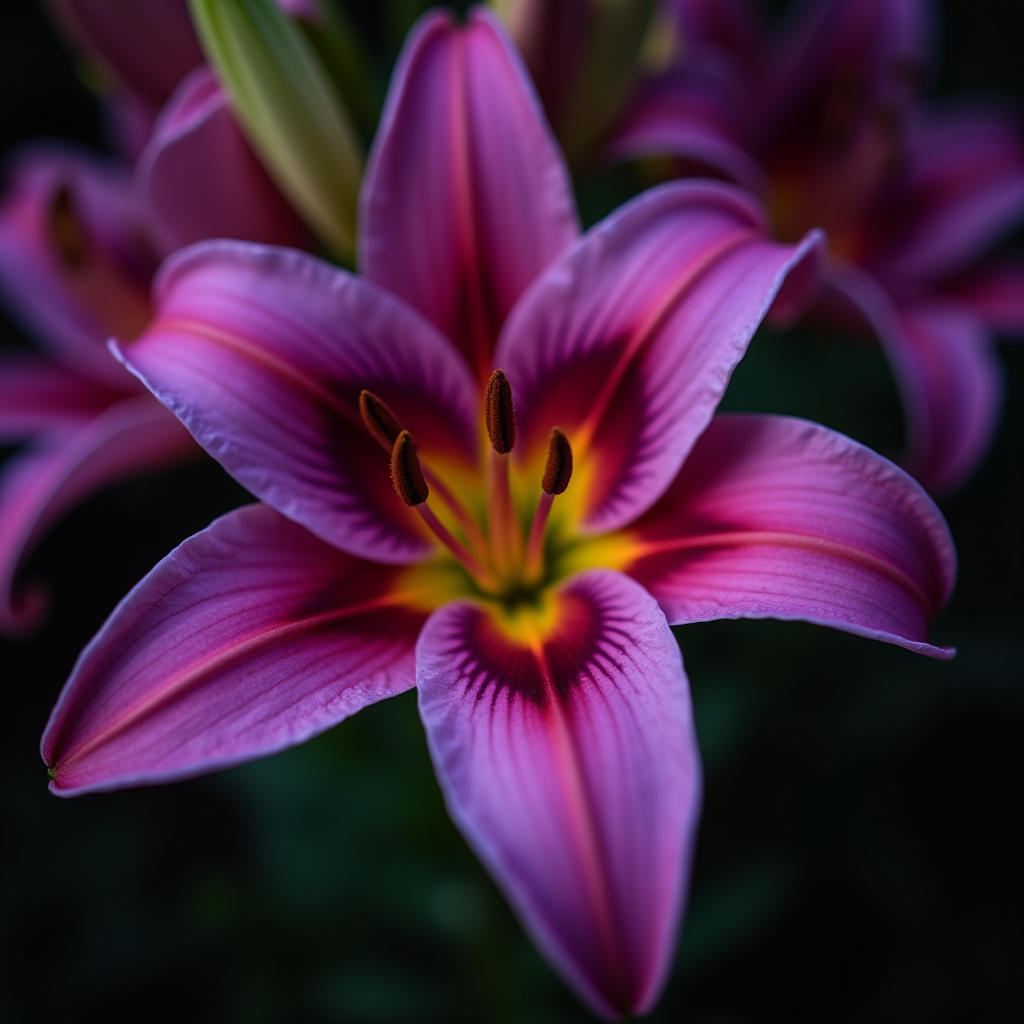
<point x="252" y="352"/>
<point x="793" y="540"/>
<point x="178" y="685"/>
<point x="599" y="881"/>
<point x="462" y="186"/>
<point x="661" y="309"/>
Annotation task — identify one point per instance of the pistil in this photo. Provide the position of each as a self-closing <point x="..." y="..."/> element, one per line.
<point x="557" y="474"/>
<point x="410" y="485"/>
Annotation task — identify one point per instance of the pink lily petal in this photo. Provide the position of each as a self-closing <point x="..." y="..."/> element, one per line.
<point x="947" y="357"/>
<point x="251" y="637"/>
<point x="37" y="395"/>
<point x="950" y="381"/>
<point x="729" y="26"/>
<point x="73" y="310"/>
<point x="963" y="189"/>
<point x="628" y="340"/>
<point x="149" y="46"/>
<point x="780" y="518"/>
<point x="995" y="293"/>
<point x="202" y="179"/>
<point x="873" y="51"/>
<point x="262" y="353"/>
<point x="570" y="764"/>
<point x="690" y="112"/>
<point x="466" y="197"/>
<point x="551" y="38"/>
<point x="39" y="485"/>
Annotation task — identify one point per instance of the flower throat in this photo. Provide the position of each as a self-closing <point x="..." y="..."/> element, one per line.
<point x="503" y="562"/>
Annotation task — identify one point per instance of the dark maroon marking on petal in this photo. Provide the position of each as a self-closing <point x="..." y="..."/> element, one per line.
<point x="589" y="640"/>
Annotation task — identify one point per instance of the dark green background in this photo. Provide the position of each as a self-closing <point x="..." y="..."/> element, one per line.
<point x="861" y="851"/>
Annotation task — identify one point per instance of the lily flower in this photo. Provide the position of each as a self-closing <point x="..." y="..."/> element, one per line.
<point x="80" y="239"/>
<point x="823" y="123"/>
<point x="138" y="52"/>
<point x="495" y="474"/>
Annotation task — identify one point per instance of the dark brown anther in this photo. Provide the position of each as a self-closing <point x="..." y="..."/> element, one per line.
<point x="406" y="473"/>
<point x="499" y="413"/>
<point x="379" y="419"/>
<point x="67" y="231"/>
<point x="558" y="471"/>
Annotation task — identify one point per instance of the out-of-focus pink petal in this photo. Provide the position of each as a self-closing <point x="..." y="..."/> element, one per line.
<point x="39" y="485"/>
<point x="774" y="517"/>
<point x="628" y="340"/>
<point x="730" y="26"/>
<point x="949" y="378"/>
<point x="551" y="36"/>
<point x="37" y="395"/>
<point x="73" y="310"/>
<point x="262" y="353"/>
<point x="953" y="382"/>
<point x="251" y="637"/>
<point x="836" y="64"/>
<point x="570" y="764"/>
<point x="995" y="293"/>
<point x="690" y="112"/>
<point x="963" y="188"/>
<point x="202" y="179"/>
<point x="466" y="197"/>
<point x="150" y="46"/>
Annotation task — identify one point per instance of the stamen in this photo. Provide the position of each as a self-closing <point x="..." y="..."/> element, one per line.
<point x="385" y="427"/>
<point x="500" y="413"/>
<point x="380" y="421"/>
<point x="407" y="479"/>
<point x="406" y="474"/>
<point x="558" y="470"/>
<point x="67" y="230"/>
<point x="557" y="474"/>
<point x="500" y="417"/>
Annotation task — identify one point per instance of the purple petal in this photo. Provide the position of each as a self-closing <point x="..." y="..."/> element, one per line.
<point x="628" y="340"/>
<point x="873" y="51"/>
<point x="691" y="112"/>
<point x="953" y="383"/>
<point x="63" y="468"/>
<point x="466" y="197"/>
<point x="150" y="46"/>
<point x="781" y="518"/>
<point x="262" y="353"/>
<point x="37" y="395"/>
<point x="569" y="762"/>
<point x="995" y="293"/>
<point x="73" y="310"/>
<point x="202" y="178"/>
<point x="963" y="189"/>
<point x="950" y="381"/>
<point x="730" y="26"/>
<point x="251" y="637"/>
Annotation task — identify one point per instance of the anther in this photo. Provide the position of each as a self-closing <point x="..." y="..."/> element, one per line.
<point x="67" y="231"/>
<point x="557" y="474"/>
<point x="558" y="470"/>
<point x="406" y="473"/>
<point x="380" y="421"/>
<point x="499" y="413"/>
